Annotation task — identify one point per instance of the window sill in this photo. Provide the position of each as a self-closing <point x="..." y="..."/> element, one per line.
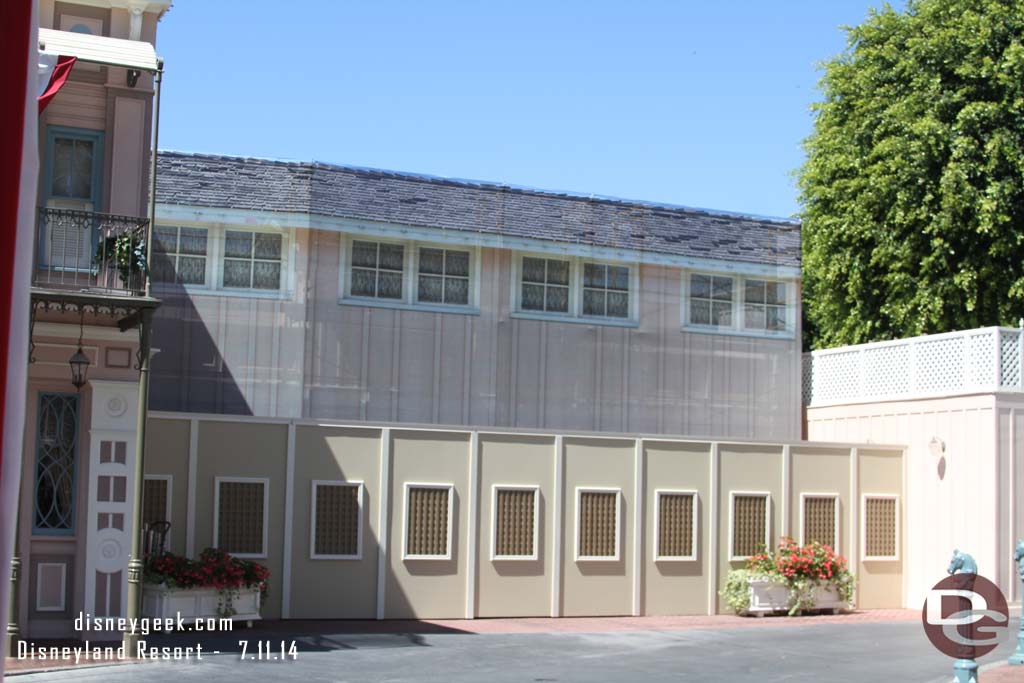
<point x="615" y="558"/>
<point x="514" y="558"/>
<point x="733" y="332"/>
<point x="670" y="558"/>
<point x="550" y="318"/>
<point x="402" y="306"/>
<point x="426" y="558"/>
<point x="193" y="290"/>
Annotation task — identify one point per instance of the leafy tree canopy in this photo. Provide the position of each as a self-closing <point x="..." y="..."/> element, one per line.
<point x="913" y="189"/>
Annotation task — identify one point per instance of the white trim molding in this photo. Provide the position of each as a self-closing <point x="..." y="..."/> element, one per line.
<point x="733" y="557"/>
<point x="409" y="485"/>
<point x="217" y="481"/>
<point x="534" y="555"/>
<point x="837" y="541"/>
<point x="864" y="557"/>
<point x="182" y="214"/>
<point x="315" y="485"/>
<point x="580" y="490"/>
<point x="695" y="496"/>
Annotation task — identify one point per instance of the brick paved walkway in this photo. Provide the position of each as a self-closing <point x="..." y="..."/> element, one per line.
<point x="1003" y="674"/>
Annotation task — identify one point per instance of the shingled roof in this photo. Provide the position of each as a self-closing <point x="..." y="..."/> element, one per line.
<point x="425" y="201"/>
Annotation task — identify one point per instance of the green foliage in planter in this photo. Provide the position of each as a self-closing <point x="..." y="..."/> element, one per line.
<point x="125" y="252"/>
<point x="736" y="591"/>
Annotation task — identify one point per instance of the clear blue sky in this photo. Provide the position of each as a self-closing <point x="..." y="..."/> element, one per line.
<point x="696" y="103"/>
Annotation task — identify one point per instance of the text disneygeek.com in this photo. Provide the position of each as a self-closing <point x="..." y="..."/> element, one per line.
<point x="107" y="629"/>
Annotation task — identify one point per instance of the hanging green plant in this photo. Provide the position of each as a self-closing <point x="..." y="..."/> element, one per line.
<point x="125" y="252"/>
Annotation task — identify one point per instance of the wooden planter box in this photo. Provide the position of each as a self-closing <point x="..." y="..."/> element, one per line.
<point x="159" y="601"/>
<point x="768" y="596"/>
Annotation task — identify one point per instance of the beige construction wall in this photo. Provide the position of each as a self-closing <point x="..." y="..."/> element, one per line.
<point x="382" y="583"/>
<point x="957" y="450"/>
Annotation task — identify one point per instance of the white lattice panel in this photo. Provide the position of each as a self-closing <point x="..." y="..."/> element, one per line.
<point x="1010" y="359"/>
<point x="807" y="383"/>
<point x="837" y="378"/>
<point x="988" y="359"/>
<point x="940" y="364"/>
<point x="887" y="370"/>
<point x="981" y="359"/>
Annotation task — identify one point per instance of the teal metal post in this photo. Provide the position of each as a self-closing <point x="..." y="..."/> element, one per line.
<point x="1018" y="555"/>
<point x="965" y="667"/>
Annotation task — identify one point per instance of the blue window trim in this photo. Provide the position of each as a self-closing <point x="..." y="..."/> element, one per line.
<point x="96" y="137"/>
<point x="37" y="531"/>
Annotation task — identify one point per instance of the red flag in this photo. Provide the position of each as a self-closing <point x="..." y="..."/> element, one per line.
<point x="60" y="74"/>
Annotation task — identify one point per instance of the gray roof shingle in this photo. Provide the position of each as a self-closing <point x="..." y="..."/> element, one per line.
<point x="492" y="208"/>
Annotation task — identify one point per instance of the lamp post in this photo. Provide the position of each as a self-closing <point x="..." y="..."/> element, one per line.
<point x="1018" y="655"/>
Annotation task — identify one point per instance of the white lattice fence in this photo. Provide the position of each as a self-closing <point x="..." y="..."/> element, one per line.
<point x="986" y="359"/>
<point x="1010" y="358"/>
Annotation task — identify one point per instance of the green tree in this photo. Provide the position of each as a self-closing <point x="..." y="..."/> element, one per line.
<point x="913" y="189"/>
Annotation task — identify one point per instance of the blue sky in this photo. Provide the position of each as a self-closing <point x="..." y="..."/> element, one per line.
<point x="694" y="103"/>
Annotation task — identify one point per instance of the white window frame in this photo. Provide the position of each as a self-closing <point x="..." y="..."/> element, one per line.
<point x="835" y="515"/>
<point x="580" y="490"/>
<point x="207" y="270"/>
<point x="658" y="493"/>
<point x="534" y="555"/>
<point x="864" y="526"/>
<point x="170" y="498"/>
<point x="215" y="236"/>
<point x="63" y="586"/>
<point x="217" y="481"/>
<point x="738" y="328"/>
<point x="787" y="306"/>
<point x="733" y="557"/>
<point x="314" y="491"/>
<point x="575" y="312"/>
<point x="219" y="266"/>
<point x="409" y="485"/>
<point x="410" y="276"/>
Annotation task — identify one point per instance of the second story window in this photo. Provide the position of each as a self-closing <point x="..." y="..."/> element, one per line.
<point x="443" y="276"/>
<point x="377" y="269"/>
<point x="180" y="255"/>
<point x="605" y="290"/>
<point x="711" y="299"/>
<point x="545" y="285"/>
<point x="252" y="260"/>
<point x="764" y="305"/>
<point x="72" y="168"/>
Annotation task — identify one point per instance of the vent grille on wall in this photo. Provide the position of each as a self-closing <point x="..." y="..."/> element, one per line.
<point x="820" y="520"/>
<point x="336" y="530"/>
<point x="514" y="523"/>
<point x="598" y="524"/>
<point x="154" y="501"/>
<point x="427" y="530"/>
<point x="750" y="520"/>
<point x="880" y="527"/>
<point x="675" y="524"/>
<point x="240" y="517"/>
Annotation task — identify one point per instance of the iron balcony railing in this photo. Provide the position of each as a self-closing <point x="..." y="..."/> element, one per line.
<point x="87" y="251"/>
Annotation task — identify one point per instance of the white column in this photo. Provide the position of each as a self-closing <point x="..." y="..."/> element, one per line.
<point x="108" y="519"/>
